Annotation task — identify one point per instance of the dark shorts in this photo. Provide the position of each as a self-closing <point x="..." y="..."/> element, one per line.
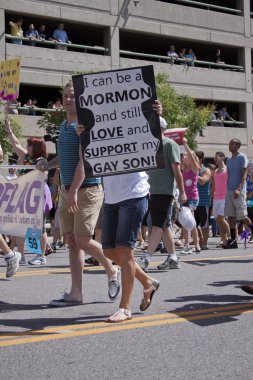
<point x="202" y="214"/>
<point x="160" y="205"/>
<point x="122" y="221"/>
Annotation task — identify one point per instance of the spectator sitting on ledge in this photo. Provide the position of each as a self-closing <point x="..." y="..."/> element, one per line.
<point x="182" y="55"/>
<point x="172" y="54"/>
<point x="16" y="30"/>
<point x="32" y="34"/>
<point x="57" y="104"/>
<point x="60" y="36"/>
<point x="42" y="32"/>
<point x="218" y="57"/>
<point x="190" y="57"/>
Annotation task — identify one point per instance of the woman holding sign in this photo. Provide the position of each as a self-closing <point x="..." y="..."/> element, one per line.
<point x="126" y="203"/>
<point x="36" y="148"/>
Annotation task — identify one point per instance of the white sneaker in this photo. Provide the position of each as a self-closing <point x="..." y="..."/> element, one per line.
<point x="12" y="264"/>
<point x="186" y="251"/>
<point x="38" y="260"/>
<point x="23" y="260"/>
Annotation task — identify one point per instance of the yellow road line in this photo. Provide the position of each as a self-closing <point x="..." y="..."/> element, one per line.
<point x="138" y="319"/>
<point x="121" y="327"/>
<point x="45" y="271"/>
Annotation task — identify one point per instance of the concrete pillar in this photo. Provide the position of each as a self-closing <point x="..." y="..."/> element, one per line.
<point x="249" y="123"/>
<point x="246" y="14"/>
<point x="111" y="41"/>
<point x="248" y="70"/>
<point x="2" y="36"/>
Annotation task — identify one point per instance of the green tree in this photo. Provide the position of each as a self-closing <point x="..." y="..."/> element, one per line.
<point x="51" y="120"/>
<point x="6" y="146"/>
<point x="181" y="111"/>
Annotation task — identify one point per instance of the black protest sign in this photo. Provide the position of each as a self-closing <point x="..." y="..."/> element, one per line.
<point x="122" y="132"/>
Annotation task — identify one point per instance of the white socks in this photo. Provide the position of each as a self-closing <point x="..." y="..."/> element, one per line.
<point x="10" y="255"/>
<point x="173" y="256"/>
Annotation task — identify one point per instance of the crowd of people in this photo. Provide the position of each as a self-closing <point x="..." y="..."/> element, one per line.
<point x="59" y="36"/>
<point x="31" y="106"/>
<point x="108" y="222"/>
<point x="187" y="56"/>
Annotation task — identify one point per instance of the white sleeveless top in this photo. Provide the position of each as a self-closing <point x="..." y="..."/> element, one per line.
<point x="121" y="187"/>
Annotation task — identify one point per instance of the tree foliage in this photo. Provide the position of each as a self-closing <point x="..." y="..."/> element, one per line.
<point x="4" y="140"/>
<point x="50" y="121"/>
<point x="180" y="111"/>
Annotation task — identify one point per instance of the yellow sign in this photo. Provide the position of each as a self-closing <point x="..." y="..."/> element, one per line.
<point x="9" y="78"/>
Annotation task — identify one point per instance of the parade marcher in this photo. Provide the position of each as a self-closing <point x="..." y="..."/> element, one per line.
<point x="235" y="203"/>
<point x="162" y="192"/>
<point x="218" y="193"/>
<point x="190" y="169"/>
<point x="126" y="202"/>
<point x="78" y="226"/>
<point x="36" y="147"/>
<point x="202" y="212"/>
<point x="12" y="258"/>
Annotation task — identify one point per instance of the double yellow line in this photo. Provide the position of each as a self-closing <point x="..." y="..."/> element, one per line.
<point x="43" y="272"/>
<point x="93" y="328"/>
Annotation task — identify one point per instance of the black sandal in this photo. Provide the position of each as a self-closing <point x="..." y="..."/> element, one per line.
<point x="92" y="261"/>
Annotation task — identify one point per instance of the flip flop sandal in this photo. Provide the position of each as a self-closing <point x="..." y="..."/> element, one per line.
<point x="122" y="316"/>
<point x="92" y="261"/>
<point x="145" y="303"/>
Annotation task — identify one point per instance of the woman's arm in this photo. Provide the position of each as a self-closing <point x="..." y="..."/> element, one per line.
<point x="191" y="156"/>
<point x="17" y="147"/>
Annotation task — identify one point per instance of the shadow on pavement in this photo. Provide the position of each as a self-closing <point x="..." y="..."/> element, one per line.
<point x="236" y="283"/>
<point x="203" y="263"/>
<point x="226" y="303"/>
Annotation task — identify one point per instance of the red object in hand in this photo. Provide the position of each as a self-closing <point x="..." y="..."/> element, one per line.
<point x="236" y="194"/>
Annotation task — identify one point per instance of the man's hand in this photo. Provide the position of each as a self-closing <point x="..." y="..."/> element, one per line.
<point x="157" y="107"/>
<point x="42" y="164"/>
<point x="79" y="129"/>
<point x="72" y="201"/>
<point x="182" y="198"/>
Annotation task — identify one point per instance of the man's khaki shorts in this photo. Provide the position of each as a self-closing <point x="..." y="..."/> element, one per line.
<point x="236" y="207"/>
<point x="89" y="201"/>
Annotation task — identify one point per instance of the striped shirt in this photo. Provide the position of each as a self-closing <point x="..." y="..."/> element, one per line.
<point x="204" y="191"/>
<point x="68" y="154"/>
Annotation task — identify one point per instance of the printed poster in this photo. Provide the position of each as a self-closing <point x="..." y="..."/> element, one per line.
<point x="22" y="203"/>
<point x="122" y="132"/>
<point x="9" y="79"/>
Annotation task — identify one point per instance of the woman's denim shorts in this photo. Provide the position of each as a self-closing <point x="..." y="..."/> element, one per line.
<point x="122" y="222"/>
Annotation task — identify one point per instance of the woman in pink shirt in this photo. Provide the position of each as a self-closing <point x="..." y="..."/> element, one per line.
<point x="190" y="176"/>
<point x="218" y="193"/>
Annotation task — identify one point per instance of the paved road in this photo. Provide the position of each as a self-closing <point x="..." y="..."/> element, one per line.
<point x="198" y="327"/>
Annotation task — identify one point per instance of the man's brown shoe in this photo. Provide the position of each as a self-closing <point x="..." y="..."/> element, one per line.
<point x="248" y="289"/>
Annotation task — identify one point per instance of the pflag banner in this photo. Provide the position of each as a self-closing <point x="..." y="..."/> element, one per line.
<point x="122" y="132"/>
<point x="9" y="79"/>
<point x="22" y="203"/>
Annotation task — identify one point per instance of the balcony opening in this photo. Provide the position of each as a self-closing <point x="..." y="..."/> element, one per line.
<point x="43" y="95"/>
<point x="235" y="111"/>
<point x="157" y="45"/>
<point x="223" y="6"/>
<point x="80" y="34"/>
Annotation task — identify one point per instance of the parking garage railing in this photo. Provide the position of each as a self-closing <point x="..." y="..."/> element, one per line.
<point x="26" y="111"/>
<point x="158" y="58"/>
<point x="210" y="6"/>
<point x="83" y="48"/>
<point x="171" y="60"/>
